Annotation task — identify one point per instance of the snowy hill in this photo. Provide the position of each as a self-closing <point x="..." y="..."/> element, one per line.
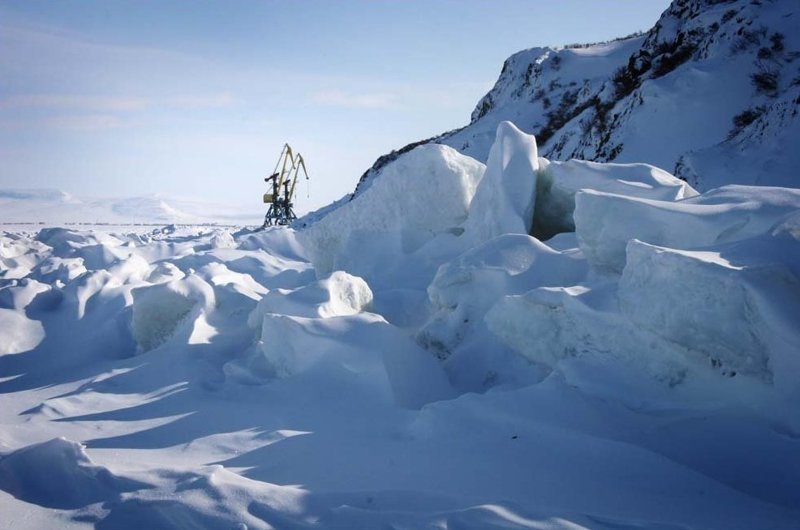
<point x="711" y="93"/>
<point x="57" y="208"/>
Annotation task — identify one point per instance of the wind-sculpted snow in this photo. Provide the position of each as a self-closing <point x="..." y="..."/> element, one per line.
<point x="416" y="360"/>
<point x="59" y="474"/>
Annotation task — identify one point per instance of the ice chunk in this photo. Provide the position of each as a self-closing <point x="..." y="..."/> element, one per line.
<point x="558" y="182"/>
<point x="505" y="198"/>
<point x="736" y="306"/>
<point x="550" y="324"/>
<point x="605" y="222"/>
<point x="465" y="288"/>
<point x="421" y="194"/>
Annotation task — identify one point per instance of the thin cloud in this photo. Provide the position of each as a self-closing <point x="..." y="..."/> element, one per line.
<point x="71" y="102"/>
<point x="86" y="122"/>
<point x="73" y="123"/>
<point x="339" y="98"/>
<point x="113" y="103"/>
<point x="225" y="99"/>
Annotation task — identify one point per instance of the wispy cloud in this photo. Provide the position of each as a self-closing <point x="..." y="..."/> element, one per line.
<point x="70" y="122"/>
<point x="225" y="99"/>
<point x="340" y="98"/>
<point x="86" y="122"/>
<point x="71" y="102"/>
<point x="114" y="103"/>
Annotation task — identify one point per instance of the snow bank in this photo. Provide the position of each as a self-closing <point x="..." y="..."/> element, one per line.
<point x="422" y="193"/>
<point x="505" y="198"/>
<point x="605" y="222"/>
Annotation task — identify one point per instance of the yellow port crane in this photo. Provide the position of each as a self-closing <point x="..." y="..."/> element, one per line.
<point x="284" y="181"/>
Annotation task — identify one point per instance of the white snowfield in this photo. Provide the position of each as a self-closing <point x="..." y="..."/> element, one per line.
<point x="415" y="359"/>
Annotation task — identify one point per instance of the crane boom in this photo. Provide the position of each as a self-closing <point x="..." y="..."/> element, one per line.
<point x="299" y="163"/>
<point x="283" y="180"/>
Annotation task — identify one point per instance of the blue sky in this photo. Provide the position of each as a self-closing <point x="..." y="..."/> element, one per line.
<point x="195" y="99"/>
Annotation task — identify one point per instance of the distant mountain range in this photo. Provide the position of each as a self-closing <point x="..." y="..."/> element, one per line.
<point x="710" y="93"/>
<point x="55" y="207"/>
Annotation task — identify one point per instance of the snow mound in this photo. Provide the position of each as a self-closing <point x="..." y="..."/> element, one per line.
<point x="159" y="310"/>
<point x="339" y="294"/>
<point x="19" y="332"/>
<point x="58" y="474"/>
<point x="423" y="193"/>
<point x="505" y="198"/>
<point x="285" y="320"/>
<point x="223" y="239"/>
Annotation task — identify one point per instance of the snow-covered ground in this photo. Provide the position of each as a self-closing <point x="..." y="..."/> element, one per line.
<point x="416" y="360"/>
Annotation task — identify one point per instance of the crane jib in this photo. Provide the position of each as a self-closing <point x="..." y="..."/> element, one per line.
<point x="284" y="181"/>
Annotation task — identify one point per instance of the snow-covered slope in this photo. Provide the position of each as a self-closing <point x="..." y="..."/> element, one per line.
<point x="399" y="365"/>
<point x="57" y="208"/>
<point x="710" y="93"/>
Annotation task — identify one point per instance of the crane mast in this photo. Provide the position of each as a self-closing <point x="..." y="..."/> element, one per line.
<point x="284" y="181"/>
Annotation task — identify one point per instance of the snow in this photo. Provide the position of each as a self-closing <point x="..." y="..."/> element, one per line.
<point x="23" y="333"/>
<point x="423" y="356"/>
<point x="58" y="474"/>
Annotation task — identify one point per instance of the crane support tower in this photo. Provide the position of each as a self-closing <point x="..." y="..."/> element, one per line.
<point x="284" y="181"/>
